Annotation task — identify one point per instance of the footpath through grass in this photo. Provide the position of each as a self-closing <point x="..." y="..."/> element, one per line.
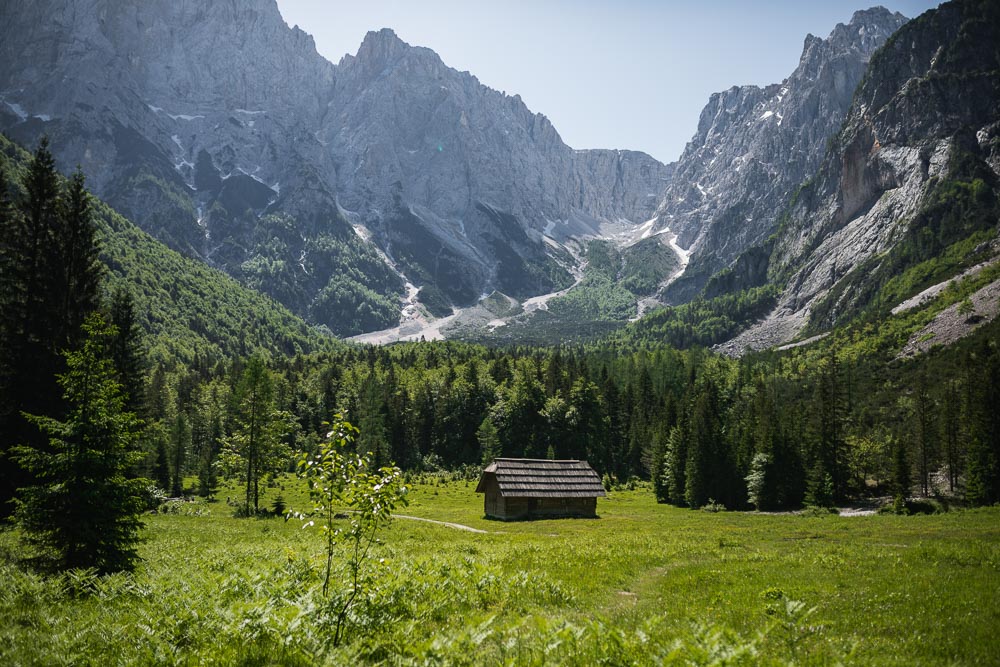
<point x="643" y="584"/>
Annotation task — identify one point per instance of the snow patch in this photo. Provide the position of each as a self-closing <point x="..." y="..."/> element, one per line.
<point x="179" y="116"/>
<point x="682" y="254"/>
<point x="766" y="115"/>
<point x="249" y="113"/>
<point x="17" y="109"/>
<point x="44" y="117"/>
<point x="177" y="140"/>
<point x="646" y="228"/>
<point x="253" y="175"/>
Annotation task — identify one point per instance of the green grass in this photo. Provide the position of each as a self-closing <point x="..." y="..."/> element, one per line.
<point x="644" y="584"/>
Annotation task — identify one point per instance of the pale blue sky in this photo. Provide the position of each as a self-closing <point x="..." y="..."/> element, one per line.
<point x="628" y="74"/>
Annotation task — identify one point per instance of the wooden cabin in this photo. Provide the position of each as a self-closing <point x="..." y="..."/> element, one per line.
<point x="539" y="488"/>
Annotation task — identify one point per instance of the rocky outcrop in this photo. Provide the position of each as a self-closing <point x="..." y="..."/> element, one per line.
<point x="222" y="131"/>
<point x="419" y="144"/>
<point x="918" y="160"/>
<point x="754" y="146"/>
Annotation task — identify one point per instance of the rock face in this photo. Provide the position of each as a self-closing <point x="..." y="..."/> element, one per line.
<point x="754" y="146"/>
<point x="915" y="170"/>
<point x="220" y="130"/>
<point x="438" y="165"/>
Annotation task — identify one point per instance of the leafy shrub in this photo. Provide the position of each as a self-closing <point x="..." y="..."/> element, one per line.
<point x="713" y="506"/>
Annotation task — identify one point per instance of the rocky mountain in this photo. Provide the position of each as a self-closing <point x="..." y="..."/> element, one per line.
<point x="221" y="131"/>
<point x="755" y="145"/>
<point x="468" y="174"/>
<point x="908" y="194"/>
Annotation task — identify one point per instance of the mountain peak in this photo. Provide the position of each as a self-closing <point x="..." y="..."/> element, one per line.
<point x="877" y="14"/>
<point x="867" y="30"/>
<point x="382" y="46"/>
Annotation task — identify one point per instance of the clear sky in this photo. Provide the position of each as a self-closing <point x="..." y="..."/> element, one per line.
<point x="615" y="74"/>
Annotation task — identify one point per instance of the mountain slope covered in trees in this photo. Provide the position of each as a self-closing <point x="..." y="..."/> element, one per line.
<point x="190" y="312"/>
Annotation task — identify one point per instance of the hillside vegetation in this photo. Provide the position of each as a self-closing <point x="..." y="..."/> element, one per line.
<point x="192" y="314"/>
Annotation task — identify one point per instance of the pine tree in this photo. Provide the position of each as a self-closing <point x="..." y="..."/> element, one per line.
<point x="28" y="343"/>
<point x="82" y="505"/>
<point x="11" y="306"/>
<point x="701" y="443"/>
<point x="924" y="434"/>
<point x="983" y="426"/>
<point x="207" y="432"/>
<point x="588" y="424"/>
<point x="675" y="463"/>
<point x="901" y="479"/>
<point x="950" y="424"/>
<point x="161" y="466"/>
<point x="657" y="467"/>
<point x="80" y="270"/>
<point x="49" y="279"/>
<point x="820" y="491"/>
<point x="257" y="448"/>
<point x="180" y="437"/>
<point x="126" y="349"/>
<point x="374" y="439"/>
<point x="489" y="442"/>
<point x="827" y="428"/>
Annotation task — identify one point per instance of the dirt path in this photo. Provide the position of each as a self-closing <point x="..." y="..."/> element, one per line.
<point x="457" y="526"/>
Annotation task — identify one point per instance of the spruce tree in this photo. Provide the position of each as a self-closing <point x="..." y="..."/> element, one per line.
<point x="80" y="270"/>
<point x="950" y="425"/>
<point x="180" y="436"/>
<point x="983" y="426"/>
<point x="126" y="349"/>
<point x="82" y="506"/>
<point x="902" y="480"/>
<point x="827" y="428"/>
<point x="49" y="279"/>
<point x="11" y="306"/>
<point x="656" y="467"/>
<point x="703" y="433"/>
<point x="161" y="466"/>
<point x="675" y="463"/>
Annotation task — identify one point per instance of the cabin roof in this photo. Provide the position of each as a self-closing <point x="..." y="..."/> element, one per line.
<point x="542" y="478"/>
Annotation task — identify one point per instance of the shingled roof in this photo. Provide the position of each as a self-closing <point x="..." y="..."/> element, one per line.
<point x="542" y="478"/>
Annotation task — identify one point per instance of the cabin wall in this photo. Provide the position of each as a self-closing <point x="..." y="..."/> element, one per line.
<point x="492" y="502"/>
<point x="499" y="507"/>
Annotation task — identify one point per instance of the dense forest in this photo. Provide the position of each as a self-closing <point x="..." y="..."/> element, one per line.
<point x="777" y="431"/>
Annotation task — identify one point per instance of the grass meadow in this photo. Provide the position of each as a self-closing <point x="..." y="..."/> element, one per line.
<point x="643" y="584"/>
